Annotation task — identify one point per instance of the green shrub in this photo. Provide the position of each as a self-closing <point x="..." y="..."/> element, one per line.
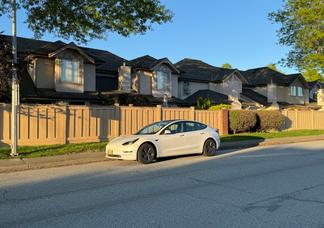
<point x="242" y="120"/>
<point x="270" y="120"/>
<point x="203" y="103"/>
<point x="219" y="107"/>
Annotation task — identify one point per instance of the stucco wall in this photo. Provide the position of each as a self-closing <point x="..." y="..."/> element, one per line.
<point x="261" y="90"/>
<point x="193" y="87"/>
<point x="44" y="73"/>
<point x="230" y="86"/>
<point x="145" y="83"/>
<point x="283" y="94"/>
<point x="89" y="77"/>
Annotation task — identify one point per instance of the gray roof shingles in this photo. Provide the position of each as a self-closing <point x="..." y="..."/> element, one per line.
<point x="197" y="70"/>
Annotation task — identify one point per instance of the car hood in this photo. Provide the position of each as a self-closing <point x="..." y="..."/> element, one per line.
<point x="123" y="139"/>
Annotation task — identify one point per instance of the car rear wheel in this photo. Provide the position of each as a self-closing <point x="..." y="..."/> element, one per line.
<point x="146" y="153"/>
<point x="210" y="148"/>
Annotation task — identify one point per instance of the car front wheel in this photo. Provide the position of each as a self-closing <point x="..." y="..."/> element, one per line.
<point x="146" y="153"/>
<point x="210" y="148"/>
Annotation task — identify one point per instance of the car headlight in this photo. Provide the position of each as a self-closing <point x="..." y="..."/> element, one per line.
<point x="130" y="142"/>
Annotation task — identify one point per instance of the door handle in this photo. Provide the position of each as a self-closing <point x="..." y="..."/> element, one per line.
<point x="181" y="135"/>
<point x="202" y="133"/>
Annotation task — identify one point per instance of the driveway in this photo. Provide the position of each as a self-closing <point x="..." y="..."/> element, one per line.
<point x="278" y="186"/>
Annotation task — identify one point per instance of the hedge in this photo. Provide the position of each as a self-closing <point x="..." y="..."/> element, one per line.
<point x="270" y="120"/>
<point x="247" y="121"/>
<point x="242" y="120"/>
<point x="219" y="107"/>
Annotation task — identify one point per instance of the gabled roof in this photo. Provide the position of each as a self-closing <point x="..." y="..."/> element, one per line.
<point x="264" y="75"/>
<point x="252" y="95"/>
<point x="197" y="70"/>
<point x="103" y="60"/>
<point x="73" y="47"/>
<point x="148" y="62"/>
<point x="215" y="97"/>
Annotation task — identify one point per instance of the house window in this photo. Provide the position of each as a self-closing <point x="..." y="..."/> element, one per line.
<point x="293" y="91"/>
<point x="70" y="71"/>
<point x="162" y="80"/>
<point x="186" y="88"/>
<point x="299" y="91"/>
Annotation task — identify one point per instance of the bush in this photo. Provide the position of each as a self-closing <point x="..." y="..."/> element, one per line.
<point x="203" y="103"/>
<point x="219" y="107"/>
<point x="242" y="120"/>
<point x="270" y="120"/>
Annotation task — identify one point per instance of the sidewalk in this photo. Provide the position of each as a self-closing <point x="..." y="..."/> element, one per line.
<point x="12" y="165"/>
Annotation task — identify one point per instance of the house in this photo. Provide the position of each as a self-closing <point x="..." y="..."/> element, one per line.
<point x="157" y="78"/>
<point x="200" y="79"/>
<point x="58" y="71"/>
<point x="275" y="87"/>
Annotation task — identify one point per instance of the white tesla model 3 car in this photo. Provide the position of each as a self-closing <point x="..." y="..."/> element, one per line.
<point x="165" y="138"/>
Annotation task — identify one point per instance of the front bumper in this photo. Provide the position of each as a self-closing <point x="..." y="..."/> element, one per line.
<point x="121" y="152"/>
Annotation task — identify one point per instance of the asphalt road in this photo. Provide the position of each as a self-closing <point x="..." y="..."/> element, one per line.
<point x="280" y="186"/>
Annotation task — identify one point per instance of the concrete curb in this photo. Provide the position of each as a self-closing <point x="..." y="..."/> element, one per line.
<point x="269" y="142"/>
<point x="13" y="165"/>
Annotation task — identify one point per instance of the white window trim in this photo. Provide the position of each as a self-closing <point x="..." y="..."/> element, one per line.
<point x="79" y="76"/>
<point x="293" y="91"/>
<point x="157" y="79"/>
<point x="298" y="90"/>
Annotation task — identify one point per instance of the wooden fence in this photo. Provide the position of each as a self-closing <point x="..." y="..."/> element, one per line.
<point x="57" y="124"/>
<point x="303" y="120"/>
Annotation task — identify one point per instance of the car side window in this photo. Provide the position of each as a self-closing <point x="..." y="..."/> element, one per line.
<point x="175" y="128"/>
<point x="193" y="126"/>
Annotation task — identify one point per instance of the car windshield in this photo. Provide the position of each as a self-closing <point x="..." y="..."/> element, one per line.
<point x="153" y="128"/>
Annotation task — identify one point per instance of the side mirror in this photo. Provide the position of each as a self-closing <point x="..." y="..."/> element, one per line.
<point x="167" y="132"/>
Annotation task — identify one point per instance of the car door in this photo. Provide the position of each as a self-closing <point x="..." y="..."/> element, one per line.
<point x="173" y="143"/>
<point x="194" y="135"/>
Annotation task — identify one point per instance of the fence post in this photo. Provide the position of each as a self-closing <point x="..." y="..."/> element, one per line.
<point x="117" y="117"/>
<point x="296" y="117"/>
<point x="192" y="113"/>
<point x="313" y="119"/>
<point x="63" y="123"/>
<point x="223" y="121"/>
<point x="159" y="112"/>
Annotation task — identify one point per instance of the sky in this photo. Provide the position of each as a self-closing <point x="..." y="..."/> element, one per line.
<point x="214" y="31"/>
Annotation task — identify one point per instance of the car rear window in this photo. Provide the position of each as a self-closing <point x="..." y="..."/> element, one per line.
<point x="193" y="126"/>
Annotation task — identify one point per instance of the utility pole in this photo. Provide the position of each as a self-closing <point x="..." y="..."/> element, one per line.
<point x="14" y="86"/>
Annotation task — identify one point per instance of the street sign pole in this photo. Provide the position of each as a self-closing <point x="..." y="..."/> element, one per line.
<point x="14" y="86"/>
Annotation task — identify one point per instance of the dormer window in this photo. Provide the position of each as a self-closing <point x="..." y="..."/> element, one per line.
<point x="70" y="71"/>
<point x="162" y="80"/>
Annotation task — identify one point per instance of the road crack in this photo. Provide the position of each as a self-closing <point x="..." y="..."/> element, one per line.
<point x="274" y="203"/>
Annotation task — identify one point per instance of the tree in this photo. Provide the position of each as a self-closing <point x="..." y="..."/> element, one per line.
<point x="312" y="75"/>
<point x="272" y="66"/>
<point x="5" y="70"/>
<point x="83" y="20"/>
<point x="227" y="66"/>
<point x="302" y="29"/>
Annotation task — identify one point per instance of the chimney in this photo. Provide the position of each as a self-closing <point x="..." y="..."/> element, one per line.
<point x="124" y="78"/>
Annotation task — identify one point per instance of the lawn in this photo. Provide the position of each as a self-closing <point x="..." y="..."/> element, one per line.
<point x="42" y="151"/>
<point x="262" y="135"/>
